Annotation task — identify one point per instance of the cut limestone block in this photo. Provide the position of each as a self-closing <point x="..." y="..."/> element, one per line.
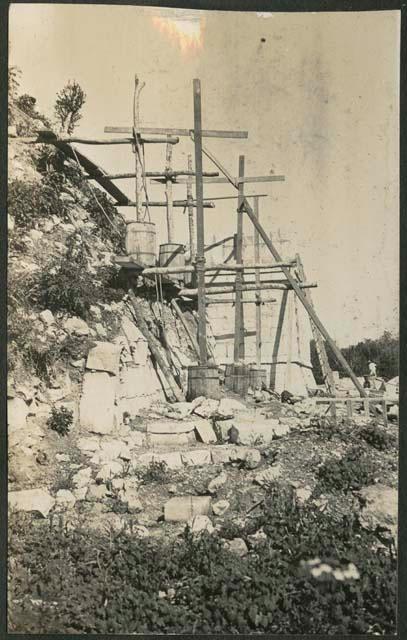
<point x="170" y="426"/>
<point x="257" y="432"/>
<point x="172" y="459"/>
<point x="38" y="500"/>
<point x="197" y="457"/>
<point x="76" y="326"/>
<point x="220" y="507"/>
<point x="169" y="439"/>
<point x="199" y="524"/>
<point x="182" y="509"/>
<point x="223" y="454"/>
<point x="228" y="407"/>
<point x="65" y="498"/>
<point x="105" y="356"/>
<point x="205" y="432"/>
<point x="96" y="409"/>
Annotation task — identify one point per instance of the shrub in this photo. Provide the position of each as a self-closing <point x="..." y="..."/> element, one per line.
<point x="119" y="583"/>
<point x="65" y="285"/>
<point x="60" y="420"/>
<point x="110" y="224"/>
<point x="351" y="472"/>
<point x="377" y="437"/>
<point x="155" y="472"/>
<point x="69" y="102"/>
<point x="27" y="202"/>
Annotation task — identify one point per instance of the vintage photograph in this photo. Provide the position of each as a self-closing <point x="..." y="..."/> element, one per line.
<point x="203" y="321"/>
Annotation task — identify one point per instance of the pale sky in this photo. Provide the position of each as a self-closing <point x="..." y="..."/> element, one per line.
<point x="319" y="97"/>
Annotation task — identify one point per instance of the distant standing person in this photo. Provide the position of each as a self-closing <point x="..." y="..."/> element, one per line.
<point x="372" y="368"/>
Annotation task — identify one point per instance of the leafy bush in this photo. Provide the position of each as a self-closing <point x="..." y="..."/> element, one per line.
<point x="377" y="437"/>
<point x="155" y="472"/>
<point x="354" y="470"/>
<point x="60" y="420"/>
<point x="69" y="102"/>
<point x="122" y="584"/>
<point x="27" y="202"/>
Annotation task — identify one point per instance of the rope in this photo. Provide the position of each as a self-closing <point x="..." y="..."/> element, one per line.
<point x="94" y="194"/>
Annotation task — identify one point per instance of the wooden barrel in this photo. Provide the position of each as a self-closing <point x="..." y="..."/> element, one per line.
<point x="140" y="242"/>
<point x="172" y="255"/>
<point x="257" y="378"/>
<point x="237" y="378"/>
<point x="203" y="381"/>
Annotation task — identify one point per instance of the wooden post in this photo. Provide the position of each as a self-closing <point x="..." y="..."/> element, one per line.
<point x="333" y="412"/>
<point x="384" y="409"/>
<point x="349" y="409"/>
<point x="367" y="407"/>
<point x="168" y="194"/>
<point x="191" y="215"/>
<point x="138" y="167"/>
<point x="309" y="307"/>
<point x="238" y="352"/>
<point x="257" y="278"/>
<point x="200" y="237"/>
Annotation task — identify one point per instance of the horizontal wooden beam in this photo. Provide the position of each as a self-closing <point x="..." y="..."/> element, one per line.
<point x="219" y="267"/>
<point x="250" y="265"/>
<point x="249" y="287"/>
<point x="206" y="133"/>
<point x="231" y="301"/>
<point x="176" y="203"/>
<point x="165" y="175"/>
<point x="221" y="180"/>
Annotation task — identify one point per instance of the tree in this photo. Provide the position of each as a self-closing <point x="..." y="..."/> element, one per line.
<point x="69" y="102"/>
<point x="14" y="74"/>
<point x="27" y="104"/>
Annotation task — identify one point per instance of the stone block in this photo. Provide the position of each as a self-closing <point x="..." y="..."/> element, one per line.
<point x="96" y="492"/>
<point x="65" y="499"/>
<point x="223" y="454"/>
<point x="217" y="483"/>
<point x="82" y="478"/>
<point x="220" y="507"/>
<point x="170" y="427"/>
<point x="17" y="412"/>
<point x="268" y="475"/>
<point x="172" y="459"/>
<point x="76" y="326"/>
<point x="205" y="432"/>
<point x="35" y="500"/>
<point x="109" y="470"/>
<point x="199" y="524"/>
<point x="105" y="356"/>
<point x="229" y="407"/>
<point x="168" y="439"/>
<point x="207" y="408"/>
<point x="182" y="509"/>
<point x="196" y="457"/>
<point x="97" y="410"/>
<point x="237" y="546"/>
<point x="47" y="317"/>
<point x="88" y="445"/>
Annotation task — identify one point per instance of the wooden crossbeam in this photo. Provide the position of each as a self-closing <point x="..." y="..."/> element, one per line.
<point x="220" y="180"/>
<point x="162" y="175"/>
<point x="206" y="133"/>
<point x="227" y="301"/>
<point x="245" y="287"/>
<point x="176" y="203"/>
<point x="45" y="135"/>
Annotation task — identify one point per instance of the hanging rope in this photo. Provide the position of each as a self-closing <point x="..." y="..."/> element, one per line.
<point x="94" y="195"/>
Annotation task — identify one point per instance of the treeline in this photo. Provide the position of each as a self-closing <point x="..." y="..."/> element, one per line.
<point x="384" y="351"/>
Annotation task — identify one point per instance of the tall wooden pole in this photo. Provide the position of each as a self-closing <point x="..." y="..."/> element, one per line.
<point x="168" y="194"/>
<point x="257" y="279"/>
<point x="191" y="215"/>
<point x="200" y="237"/>
<point x="238" y="352"/>
<point x="138" y="167"/>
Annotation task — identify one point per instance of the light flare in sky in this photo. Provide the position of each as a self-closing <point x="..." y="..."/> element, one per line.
<point x="186" y="32"/>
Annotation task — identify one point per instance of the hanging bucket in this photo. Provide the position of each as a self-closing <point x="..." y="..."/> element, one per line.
<point x="203" y="381"/>
<point x="141" y="242"/>
<point x="172" y="255"/>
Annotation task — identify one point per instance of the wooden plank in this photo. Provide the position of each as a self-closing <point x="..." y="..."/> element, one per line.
<point x="303" y="299"/>
<point x="238" y="348"/>
<point x="162" y="175"/>
<point x="184" y="323"/>
<point x="257" y="277"/>
<point x="366" y="408"/>
<point x="231" y="301"/>
<point x="349" y="409"/>
<point x="206" y="133"/>
<point x="200" y="243"/>
<point x="92" y="168"/>
<point x="384" y="412"/>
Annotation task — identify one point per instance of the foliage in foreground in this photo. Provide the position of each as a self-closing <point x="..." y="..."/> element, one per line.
<point x="119" y="583"/>
<point x="351" y="472"/>
<point x="60" y="420"/>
